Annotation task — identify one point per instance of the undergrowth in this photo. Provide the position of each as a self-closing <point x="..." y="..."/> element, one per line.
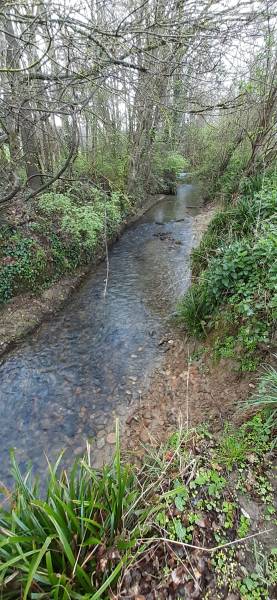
<point x="234" y="294"/>
<point x="63" y="231"/>
<point x="176" y="525"/>
<point x="266" y="396"/>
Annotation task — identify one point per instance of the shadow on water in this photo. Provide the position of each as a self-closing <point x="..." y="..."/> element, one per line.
<point x="62" y="384"/>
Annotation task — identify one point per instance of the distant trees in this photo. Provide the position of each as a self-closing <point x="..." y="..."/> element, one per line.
<point x="102" y="84"/>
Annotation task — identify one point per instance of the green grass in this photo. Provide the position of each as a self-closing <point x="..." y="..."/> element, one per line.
<point x="242" y="219"/>
<point x="266" y="396"/>
<point x="74" y="543"/>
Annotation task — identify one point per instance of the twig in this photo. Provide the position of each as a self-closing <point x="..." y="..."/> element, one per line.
<point x="187" y="395"/>
<point x="107" y="255"/>
<point x="203" y="548"/>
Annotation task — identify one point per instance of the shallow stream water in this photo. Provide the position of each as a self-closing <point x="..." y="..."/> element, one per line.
<point x="62" y="384"/>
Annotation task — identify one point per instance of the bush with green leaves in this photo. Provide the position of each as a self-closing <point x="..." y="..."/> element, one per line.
<point x="23" y="264"/>
<point x="175" y="162"/>
<point x="245" y="218"/>
<point x="166" y="166"/>
<point x="236" y="264"/>
<point x="242" y="275"/>
<point x="64" y="231"/>
<point x="85" y="222"/>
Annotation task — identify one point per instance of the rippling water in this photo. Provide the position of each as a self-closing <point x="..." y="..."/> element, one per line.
<point x="61" y="385"/>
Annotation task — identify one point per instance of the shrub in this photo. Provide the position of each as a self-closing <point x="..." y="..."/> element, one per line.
<point x="165" y="167"/>
<point x="64" y="234"/>
<point x="244" y="275"/>
<point x="236" y="287"/>
<point x="245" y="218"/>
<point x="53" y="202"/>
<point x="175" y="162"/>
<point x="82" y="225"/>
<point x="86" y="222"/>
<point x="23" y="264"/>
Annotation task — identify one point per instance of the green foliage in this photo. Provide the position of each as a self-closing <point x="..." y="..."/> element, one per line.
<point x="74" y="543"/>
<point x="82" y="164"/>
<point x="112" y="159"/>
<point x="246" y="218"/>
<point x="228" y="182"/>
<point x="232" y="448"/>
<point x="86" y="222"/>
<point x="175" y="163"/>
<point x="236" y="288"/>
<point x="65" y="233"/>
<point x="209" y="477"/>
<point x="94" y="524"/>
<point x="257" y="434"/>
<point x="23" y="262"/>
<point x="251" y="588"/>
<point x="244" y="526"/>
<point x="218" y="160"/>
<point x="166" y="166"/>
<point x="266" y="396"/>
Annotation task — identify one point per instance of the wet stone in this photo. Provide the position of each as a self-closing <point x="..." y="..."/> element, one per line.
<point x="100" y="443"/>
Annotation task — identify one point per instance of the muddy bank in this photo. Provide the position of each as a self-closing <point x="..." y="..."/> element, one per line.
<point x="185" y="393"/>
<point x="24" y="314"/>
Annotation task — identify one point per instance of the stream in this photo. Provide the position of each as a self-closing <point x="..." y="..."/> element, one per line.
<point x="64" y="384"/>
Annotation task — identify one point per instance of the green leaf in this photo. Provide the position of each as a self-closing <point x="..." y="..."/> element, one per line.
<point x="60" y="531"/>
<point x="35" y="565"/>
<point x="109" y="580"/>
<point x="16" y="559"/>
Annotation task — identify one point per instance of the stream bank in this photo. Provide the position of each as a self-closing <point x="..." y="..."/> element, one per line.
<point x="22" y="315"/>
<point x="64" y="384"/>
<point x="158" y="410"/>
